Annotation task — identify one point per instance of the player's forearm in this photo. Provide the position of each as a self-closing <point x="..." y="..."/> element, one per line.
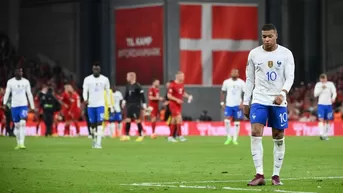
<point x="222" y="96"/>
<point x="250" y="82"/>
<point x="30" y="97"/>
<point x="152" y="98"/>
<point x="290" y="68"/>
<point x="85" y="94"/>
<point x="186" y="95"/>
<point x="7" y="94"/>
<point x="171" y="97"/>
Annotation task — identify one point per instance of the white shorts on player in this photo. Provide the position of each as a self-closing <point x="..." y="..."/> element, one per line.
<point x="326" y="93"/>
<point x="233" y="88"/>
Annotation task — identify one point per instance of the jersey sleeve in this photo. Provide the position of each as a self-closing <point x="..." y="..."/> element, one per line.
<point x="224" y="86"/>
<point x="108" y="92"/>
<point x="250" y="80"/>
<point x="7" y="92"/>
<point x="29" y="95"/>
<point x="333" y="91"/>
<point x="289" y="72"/>
<point x="317" y="90"/>
<point x="85" y="90"/>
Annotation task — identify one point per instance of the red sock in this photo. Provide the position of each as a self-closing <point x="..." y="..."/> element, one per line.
<point x="172" y="130"/>
<point x="153" y="126"/>
<point x="66" y="130"/>
<point x="77" y="127"/>
<point x="178" y="126"/>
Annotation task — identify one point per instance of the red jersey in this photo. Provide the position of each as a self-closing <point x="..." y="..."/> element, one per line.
<point x="72" y="100"/>
<point x="176" y="90"/>
<point x="154" y="92"/>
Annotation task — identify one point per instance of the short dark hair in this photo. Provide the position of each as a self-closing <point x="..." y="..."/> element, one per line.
<point x="323" y="75"/>
<point x="96" y="63"/>
<point x="268" y="27"/>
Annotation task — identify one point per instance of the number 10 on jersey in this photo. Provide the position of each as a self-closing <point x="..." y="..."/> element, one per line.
<point x="271" y="76"/>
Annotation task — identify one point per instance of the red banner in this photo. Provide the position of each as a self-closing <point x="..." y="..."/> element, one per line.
<point x="139" y="43"/>
<point x="204" y="129"/>
<point x="216" y="39"/>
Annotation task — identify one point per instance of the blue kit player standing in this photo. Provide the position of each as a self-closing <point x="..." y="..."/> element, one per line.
<point x="233" y="88"/>
<point x="269" y="77"/>
<point x="20" y="90"/>
<point x="326" y="93"/>
<point x="94" y="87"/>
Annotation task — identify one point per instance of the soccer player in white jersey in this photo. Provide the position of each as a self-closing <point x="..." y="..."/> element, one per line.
<point x="233" y="88"/>
<point x="20" y="90"/>
<point x="326" y="91"/>
<point x="269" y="77"/>
<point x="117" y="97"/>
<point x="94" y="87"/>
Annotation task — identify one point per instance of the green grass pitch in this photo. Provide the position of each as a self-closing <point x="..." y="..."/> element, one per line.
<point x="202" y="164"/>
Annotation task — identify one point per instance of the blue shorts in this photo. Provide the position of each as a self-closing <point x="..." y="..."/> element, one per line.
<point x="96" y="114"/>
<point x="277" y="116"/>
<point x="115" y="117"/>
<point x="325" y="112"/>
<point x="19" y="113"/>
<point x="234" y="112"/>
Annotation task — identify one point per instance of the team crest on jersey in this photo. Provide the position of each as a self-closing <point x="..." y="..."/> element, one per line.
<point x="270" y="64"/>
<point x="278" y="63"/>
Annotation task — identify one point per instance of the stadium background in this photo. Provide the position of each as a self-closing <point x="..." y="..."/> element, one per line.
<point x="57" y="40"/>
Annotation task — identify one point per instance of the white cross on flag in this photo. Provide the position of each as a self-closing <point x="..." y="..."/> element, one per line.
<point x="216" y="38"/>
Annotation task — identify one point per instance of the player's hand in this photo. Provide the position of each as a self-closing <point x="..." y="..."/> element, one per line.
<point x="3" y="107"/>
<point x="65" y="105"/>
<point x="190" y="98"/>
<point x="246" y="110"/>
<point x="222" y="105"/>
<point x="179" y="101"/>
<point x="278" y="100"/>
<point x="111" y="109"/>
<point x="86" y="102"/>
<point x="333" y="100"/>
<point x="161" y="99"/>
<point x="324" y="86"/>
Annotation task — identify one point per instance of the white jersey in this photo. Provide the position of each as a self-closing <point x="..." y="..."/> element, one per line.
<point x="326" y="95"/>
<point x="268" y="73"/>
<point x="93" y="90"/>
<point x="20" y="90"/>
<point x="117" y="97"/>
<point x="234" y="90"/>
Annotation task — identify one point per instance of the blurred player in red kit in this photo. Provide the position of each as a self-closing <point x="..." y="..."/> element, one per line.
<point x="2" y="112"/>
<point x="71" y="109"/>
<point x="154" y="99"/>
<point x="176" y="93"/>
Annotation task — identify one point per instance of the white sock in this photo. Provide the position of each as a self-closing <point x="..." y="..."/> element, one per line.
<point x="17" y="132"/>
<point x="326" y="130"/>
<point x="22" y="131"/>
<point x="120" y="125"/>
<point x="279" y="154"/>
<point x="227" y="127"/>
<point x="112" y="128"/>
<point x="321" y="128"/>
<point x="257" y="153"/>
<point x="236" y="133"/>
<point x="99" y="135"/>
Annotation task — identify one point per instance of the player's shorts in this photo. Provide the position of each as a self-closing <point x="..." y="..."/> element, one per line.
<point x="277" y="116"/>
<point x="95" y="114"/>
<point x="133" y="111"/>
<point x="234" y="112"/>
<point x="154" y="112"/>
<point x="115" y="117"/>
<point x="325" y="112"/>
<point x="175" y="109"/>
<point x="19" y="113"/>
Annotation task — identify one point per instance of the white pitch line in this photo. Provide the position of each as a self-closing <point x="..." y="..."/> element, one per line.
<point x="228" y="181"/>
<point x="210" y="187"/>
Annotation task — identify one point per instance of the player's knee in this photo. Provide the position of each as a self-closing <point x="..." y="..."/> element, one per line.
<point x="277" y="134"/>
<point x="128" y="120"/>
<point x="257" y="130"/>
<point x="22" y="123"/>
<point x="138" y="121"/>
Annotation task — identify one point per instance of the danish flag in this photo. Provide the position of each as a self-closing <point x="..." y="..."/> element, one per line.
<point x="215" y="38"/>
